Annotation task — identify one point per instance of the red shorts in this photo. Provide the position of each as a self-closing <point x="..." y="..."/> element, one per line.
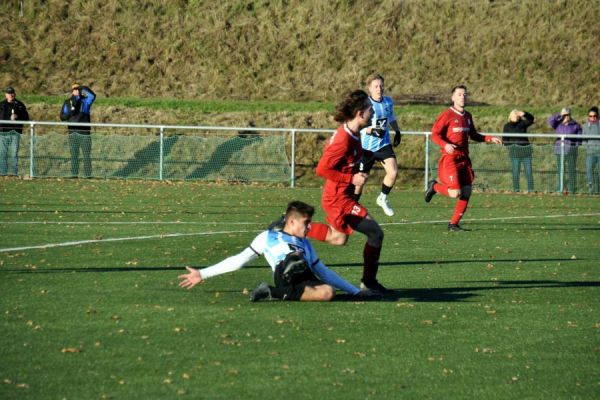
<point x="455" y="172"/>
<point x="345" y="214"/>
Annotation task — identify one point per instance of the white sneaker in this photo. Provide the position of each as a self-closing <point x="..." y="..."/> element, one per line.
<point x="383" y="203"/>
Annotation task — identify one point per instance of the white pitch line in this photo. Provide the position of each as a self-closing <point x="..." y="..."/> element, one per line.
<point x="259" y="223"/>
<point x="494" y="219"/>
<point x="124" y="223"/>
<point x="65" y="244"/>
<point x="168" y="235"/>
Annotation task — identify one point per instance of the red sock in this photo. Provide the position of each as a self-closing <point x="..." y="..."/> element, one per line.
<point x="459" y="210"/>
<point x="318" y="231"/>
<point x="440" y="188"/>
<point x="371" y="262"/>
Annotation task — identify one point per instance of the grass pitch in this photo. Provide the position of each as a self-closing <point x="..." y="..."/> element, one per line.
<point x="91" y="307"/>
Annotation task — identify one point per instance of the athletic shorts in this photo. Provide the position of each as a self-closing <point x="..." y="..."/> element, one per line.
<point x="345" y="214"/>
<point x="382" y="154"/>
<point x="295" y="290"/>
<point x="455" y="172"/>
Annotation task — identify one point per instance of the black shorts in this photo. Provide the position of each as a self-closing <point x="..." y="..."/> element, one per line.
<point x="382" y="154"/>
<point x="294" y="290"/>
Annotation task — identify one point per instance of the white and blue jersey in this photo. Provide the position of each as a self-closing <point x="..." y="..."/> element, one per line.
<point x="383" y="115"/>
<point x="279" y="244"/>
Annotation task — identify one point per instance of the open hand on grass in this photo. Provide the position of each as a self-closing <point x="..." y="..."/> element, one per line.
<point x="191" y="279"/>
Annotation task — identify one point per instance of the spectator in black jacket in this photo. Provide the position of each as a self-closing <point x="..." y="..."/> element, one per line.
<point x="520" y="150"/>
<point x="77" y="108"/>
<point x="11" y="109"/>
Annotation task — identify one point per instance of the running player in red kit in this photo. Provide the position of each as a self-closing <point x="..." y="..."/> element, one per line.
<point x="451" y="132"/>
<point x="340" y="166"/>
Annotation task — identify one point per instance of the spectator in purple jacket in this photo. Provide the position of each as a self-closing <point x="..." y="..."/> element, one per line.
<point x="564" y="124"/>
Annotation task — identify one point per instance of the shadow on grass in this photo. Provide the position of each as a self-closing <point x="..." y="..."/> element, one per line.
<point x="419" y="295"/>
<point x="445" y="262"/>
<point x="146" y="156"/>
<point x="462" y="293"/>
<point x="220" y="157"/>
<point x="182" y="268"/>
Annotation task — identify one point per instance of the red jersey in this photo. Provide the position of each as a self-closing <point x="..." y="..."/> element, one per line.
<point x="339" y="162"/>
<point x="455" y="127"/>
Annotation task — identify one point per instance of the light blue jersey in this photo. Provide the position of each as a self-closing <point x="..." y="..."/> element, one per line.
<point x="279" y="244"/>
<point x="383" y="114"/>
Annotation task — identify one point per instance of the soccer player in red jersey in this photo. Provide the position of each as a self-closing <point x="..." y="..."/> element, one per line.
<point x="451" y="132"/>
<point x="340" y="166"/>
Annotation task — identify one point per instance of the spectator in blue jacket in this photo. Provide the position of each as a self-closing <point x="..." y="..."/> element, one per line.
<point x="77" y="108"/>
<point x="564" y="124"/>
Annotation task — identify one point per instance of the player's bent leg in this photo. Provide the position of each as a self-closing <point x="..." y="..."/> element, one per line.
<point x="318" y="293"/>
<point x="460" y="209"/>
<point x="391" y="172"/>
<point x="371" y="253"/>
<point x="371" y="229"/>
<point x="390" y="165"/>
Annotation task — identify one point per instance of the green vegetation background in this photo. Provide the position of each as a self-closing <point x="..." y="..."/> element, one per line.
<point x="533" y="52"/>
<point x="286" y="63"/>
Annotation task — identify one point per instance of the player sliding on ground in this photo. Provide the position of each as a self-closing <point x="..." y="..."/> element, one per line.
<point x="297" y="271"/>
<point x="451" y="132"/>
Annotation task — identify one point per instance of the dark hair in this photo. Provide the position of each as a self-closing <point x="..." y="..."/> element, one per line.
<point x="353" y="101"/>
<point x="458" y="87"/>
<point x="299" y="208"/>
<point x="593" y="109"/>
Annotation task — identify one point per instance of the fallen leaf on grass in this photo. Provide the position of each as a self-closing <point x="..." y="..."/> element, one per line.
<point x="427" y="322"/>
<point x="70" y="350"/>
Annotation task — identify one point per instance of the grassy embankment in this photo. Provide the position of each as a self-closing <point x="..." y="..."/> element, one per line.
<point x="286" y="64"/>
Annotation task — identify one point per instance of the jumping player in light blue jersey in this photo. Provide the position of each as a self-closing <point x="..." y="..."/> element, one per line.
<point x="298" y="273"/>
<point x="376" y="139"/>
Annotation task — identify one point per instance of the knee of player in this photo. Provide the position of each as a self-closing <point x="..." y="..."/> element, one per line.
<point x="336" y="239"/>
<point x="454" y="193"/>
<point x="375" y="239"/>
<point x="465" y="192"/>
<point x="326" y="292"/>
<point x="378" y="236"/>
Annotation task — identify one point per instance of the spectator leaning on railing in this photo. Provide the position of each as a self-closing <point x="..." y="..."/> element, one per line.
<point x="11" y="109"/>
<point x="564" y="124"/>
<point x="592" y="147"/>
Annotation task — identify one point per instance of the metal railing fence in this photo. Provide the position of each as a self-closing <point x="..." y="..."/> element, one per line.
<point x="222" y="153"/>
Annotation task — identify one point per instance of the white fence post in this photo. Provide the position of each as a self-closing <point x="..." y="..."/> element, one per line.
<point x="160" y="166"/>
<point x="293" y="169"/>
<point x="31" y="152"/>
<point x="427" y="169"/>
<point x="561" y="177"/>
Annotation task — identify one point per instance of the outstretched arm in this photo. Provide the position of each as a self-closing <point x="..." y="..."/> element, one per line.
<point x="230" y="264"/>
